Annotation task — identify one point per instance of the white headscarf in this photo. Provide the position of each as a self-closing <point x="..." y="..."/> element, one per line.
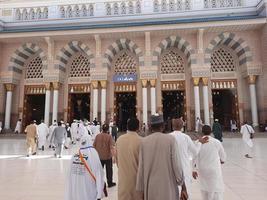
<point x="86" y="141"/>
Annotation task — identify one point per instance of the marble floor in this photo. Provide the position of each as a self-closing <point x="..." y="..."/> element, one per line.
<point x="43" y="177"/>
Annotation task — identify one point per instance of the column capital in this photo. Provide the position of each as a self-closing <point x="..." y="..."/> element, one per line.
<point x="56" y="85"/>
<point x="47" y="86"/>
<point x="196" y="81"/>
<point x="153" y="82"/>
<point x="205" y="81"/>
<point x="9" y="87"/>
<point x="103" y="84"/>
<point x="144" y="83"/>
<point x="95" y="84"/>
<point x="252" y="79"/>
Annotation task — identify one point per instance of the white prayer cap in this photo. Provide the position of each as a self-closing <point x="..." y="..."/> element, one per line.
<point x="216" y="120"/>
<point x="86" y="141"/>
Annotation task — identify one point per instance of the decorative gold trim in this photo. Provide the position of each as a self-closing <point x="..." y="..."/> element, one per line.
<point x="9" y="87"/>
<point x="34" y="89"/>
<point x="196" y="81"/>
<point x="103" y="84"/>
<point x="94" y="84"/>
<point x="144" y="83"/>
<point x="252" y="79"/>
<point x="153" y="82"/>
<point x="48" y="86"/>
<point x="56" y="85"/>
<point x="79" y="88"/>
<point x="205" y="81"/>
<point x="173" y="85"/>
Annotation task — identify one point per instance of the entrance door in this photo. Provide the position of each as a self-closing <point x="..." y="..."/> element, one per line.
<point x="225" y="106"/>
<point x="79" y="106"/>
<point x="35" y="107"/>
<point x="125" y="108"/>
<point x="173" y="104"/>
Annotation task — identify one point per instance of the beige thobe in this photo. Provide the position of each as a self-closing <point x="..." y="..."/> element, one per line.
<point x="31" y="131"/>
<point x="160" y="168"/>
<point x="127" y="148"/>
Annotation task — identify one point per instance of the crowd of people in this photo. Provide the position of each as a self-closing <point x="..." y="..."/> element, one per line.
<point x="159" y="165"/>
<point x="149" y="168"/>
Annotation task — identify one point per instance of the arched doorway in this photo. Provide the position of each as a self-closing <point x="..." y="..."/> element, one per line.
<point x="172" y="72"/>
<point x="34" y="93"/>
<point x="79" y="94"/>
<point x="224" y="89"/>
<point x="124" y="72"/>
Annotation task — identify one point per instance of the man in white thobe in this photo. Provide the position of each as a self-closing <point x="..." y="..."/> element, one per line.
<point x="73" y="130"/>
<point x="42" y="132"/>
<point x="51" y="130"/>
<point x="247" y="134"/>
<point x="18" y="127"/>
<point x="187" y="151"/>
<point x="81" y="184"/>
<point x="208" y="167"/>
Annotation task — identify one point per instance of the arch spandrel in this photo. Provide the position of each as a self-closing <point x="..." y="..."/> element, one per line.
<point x="71" y="49"/>
<point x="23" y="54"/>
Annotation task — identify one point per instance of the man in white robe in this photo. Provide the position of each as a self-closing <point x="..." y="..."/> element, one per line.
<point x="187" y="151"/>
<point x="82" y="184"/>
<point x="42" y="132"/>
<point x="198" y="125"/>
<point x="18" y="127"/>
<point x="73" y="130"/>
<point x="208" y="167"/>
<point x="51" y="130"/>
<point x="247" y="134"/>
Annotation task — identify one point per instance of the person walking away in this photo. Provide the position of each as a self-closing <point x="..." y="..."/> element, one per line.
<point x="42" y="132"/>
<point x="104" y="146"/>
<point x="51" y="130"/>
<point x="18" y="127"/>
<point x="247" y="135"/>
<point x="68" y="140"/>
<point x="160" y="169"/>
<point x="31" y="135"/>
<point x="208" y="167"/>
<point x="86" y="177"/>
<point x="187" y="150"/>
<point x="127" y="154"/>
<point x="217" y="130"/>
<point x="59" y="137"/>
<point x="198" y="125"/>
<point x="114" y="131"/>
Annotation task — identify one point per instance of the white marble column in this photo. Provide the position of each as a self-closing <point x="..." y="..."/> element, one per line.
<point x="253" y="100"/>
<point x="144" y="90"/>
<point x="196" y="97"/>
<point x="55" y="101"/>
<point x="47" y="103"/>
<point x="103" y="100"/>
<point x="9" y="89"/>
<point x="153" y="96"/>
<point x="206" y="101"/>
<point x="95" y="99"/>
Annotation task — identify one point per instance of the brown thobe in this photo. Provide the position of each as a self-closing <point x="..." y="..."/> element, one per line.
<point x="31" y="131"/>
<point x="160" y="168"/>
<point x="127" y="147"/>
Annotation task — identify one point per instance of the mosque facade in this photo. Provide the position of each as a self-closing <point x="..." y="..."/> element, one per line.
<point x="115" y="59"/>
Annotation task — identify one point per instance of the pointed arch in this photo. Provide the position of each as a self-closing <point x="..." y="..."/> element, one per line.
<point x="69" y="50"/>
<point x="22" y="54"/>
<point x="120" y="45"/>
<point x="234" y="42"/>
<point x="177" y="42"/>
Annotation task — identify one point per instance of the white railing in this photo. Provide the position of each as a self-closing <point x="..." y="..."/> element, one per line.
<point x="23" y="14"/>
<point x="223" y="3"/>
<point x="123" y="7"/>
<point x="171" y="5"/>
<point x="76" y="10"/>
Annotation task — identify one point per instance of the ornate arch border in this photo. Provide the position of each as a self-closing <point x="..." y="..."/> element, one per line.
<point x="237" y="44"/>
<point x="22" y="54"/>
<point x="120" y="45"/>
<point x="174" y="41"/>
<point x="69" y="50"/>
